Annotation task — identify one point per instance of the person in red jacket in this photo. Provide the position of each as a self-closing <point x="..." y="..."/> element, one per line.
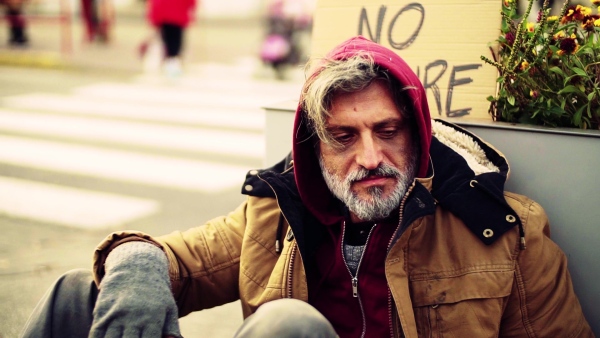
<point x="171" y="18"/>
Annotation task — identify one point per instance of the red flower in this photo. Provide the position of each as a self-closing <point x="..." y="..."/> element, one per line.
<point x="575" y="13"/>
<point x="509" y="38"/>
<point x="588" y="22"/>
<point x="568" y="46"/>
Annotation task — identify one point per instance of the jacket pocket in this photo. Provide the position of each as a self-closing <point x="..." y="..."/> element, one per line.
<point x="465" y="305"/>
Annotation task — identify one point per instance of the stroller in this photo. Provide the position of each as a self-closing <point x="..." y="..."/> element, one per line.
<point x="286" y="26"/>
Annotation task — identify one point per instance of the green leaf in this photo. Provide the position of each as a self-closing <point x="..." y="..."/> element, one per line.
<point x="491" y="98"/>
<point x="569" y="89"/>
<point x="557" y="71"/>
<point x="578" y="63"/>
<point x="577" y="116"/>
<point x="511" y="100"/>
<point x="579" y="71"/>
<point x="554" y="110"/>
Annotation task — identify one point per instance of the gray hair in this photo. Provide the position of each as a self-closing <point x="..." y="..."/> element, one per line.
<point x="346" y="76"/>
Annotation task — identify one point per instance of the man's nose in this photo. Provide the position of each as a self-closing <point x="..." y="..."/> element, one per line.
<point x="369" y="155"/>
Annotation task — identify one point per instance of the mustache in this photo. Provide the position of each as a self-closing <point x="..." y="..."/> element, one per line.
<point x="383" y="170"/>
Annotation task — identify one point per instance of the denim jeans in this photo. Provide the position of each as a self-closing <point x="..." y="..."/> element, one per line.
<point x="66" y="311"/>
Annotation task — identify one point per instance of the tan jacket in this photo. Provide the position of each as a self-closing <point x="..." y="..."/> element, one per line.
<point x="439" y="289"/>
<point x="445" y="282"/>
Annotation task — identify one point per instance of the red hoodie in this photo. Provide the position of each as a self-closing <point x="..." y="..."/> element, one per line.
<point x="330" y="291"/>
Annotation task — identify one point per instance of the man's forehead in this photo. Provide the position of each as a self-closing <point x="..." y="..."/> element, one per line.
<point x="333" y="123"/>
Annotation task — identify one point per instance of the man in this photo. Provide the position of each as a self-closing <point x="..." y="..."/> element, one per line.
<point x="377" y="228"/>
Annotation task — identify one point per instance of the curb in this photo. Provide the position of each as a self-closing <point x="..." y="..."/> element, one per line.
<point x="28" y="58"/>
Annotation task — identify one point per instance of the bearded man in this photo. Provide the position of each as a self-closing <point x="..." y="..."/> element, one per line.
<point x="381" y="223"/>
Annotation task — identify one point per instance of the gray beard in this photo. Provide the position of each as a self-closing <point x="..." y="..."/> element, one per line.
<point x="377" y="207"/>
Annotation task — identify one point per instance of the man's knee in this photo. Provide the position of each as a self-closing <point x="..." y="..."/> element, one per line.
<point x="288" y="306"/>
<point x="287" y="318"/>
<point x="77" y="277"/>
<point x="66" y="308"/>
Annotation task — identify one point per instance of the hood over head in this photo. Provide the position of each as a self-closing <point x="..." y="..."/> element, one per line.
<point x="312" y="188"/>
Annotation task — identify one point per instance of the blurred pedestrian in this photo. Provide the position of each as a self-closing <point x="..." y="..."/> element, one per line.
<point x="97" y="16"/>
<point x="16" y="22"/>
<point x="170" y="18"/>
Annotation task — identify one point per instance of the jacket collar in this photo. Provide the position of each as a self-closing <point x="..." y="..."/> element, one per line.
<point x="467" y="178"/>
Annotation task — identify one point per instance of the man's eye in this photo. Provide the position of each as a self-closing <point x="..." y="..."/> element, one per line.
<point x="343" y="138"/>
<point x="388" y="133"/>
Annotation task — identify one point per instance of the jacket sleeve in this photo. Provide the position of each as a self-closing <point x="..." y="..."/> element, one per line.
<point x="203" y="261"/>
<point x="542" y="302"/>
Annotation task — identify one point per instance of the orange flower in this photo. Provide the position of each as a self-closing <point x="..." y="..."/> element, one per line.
<point x="558" y="35"/>
<point x="531" y="27"/>
<point x="589" y="22"/>
<point x="575" y="13"/>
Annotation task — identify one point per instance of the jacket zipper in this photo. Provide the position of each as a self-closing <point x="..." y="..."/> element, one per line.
<point x="291" y="269"/>
<point x="354" y="278"/>
<point x="400" y="218"/>
<point x="292" y="249"/>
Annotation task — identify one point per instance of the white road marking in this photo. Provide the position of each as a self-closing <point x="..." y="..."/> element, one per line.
<point x="121" y="166"/>
<point x="251" y="119"/>
<point x="69" y="206"/>
<point x="132" y="133"/>
<point x="175" y="96"/>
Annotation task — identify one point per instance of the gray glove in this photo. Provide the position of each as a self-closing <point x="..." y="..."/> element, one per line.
<point x="135" y="298"/>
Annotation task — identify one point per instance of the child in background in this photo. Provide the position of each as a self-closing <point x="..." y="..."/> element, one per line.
<point x="171" y="17"/>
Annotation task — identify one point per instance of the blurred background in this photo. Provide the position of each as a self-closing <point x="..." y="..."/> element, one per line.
<point x="97" y="134"/>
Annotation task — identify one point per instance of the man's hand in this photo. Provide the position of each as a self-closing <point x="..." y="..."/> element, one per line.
<point x="135" y="298"/>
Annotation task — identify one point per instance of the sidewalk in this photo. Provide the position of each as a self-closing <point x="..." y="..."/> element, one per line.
<point x="207" y="40"/>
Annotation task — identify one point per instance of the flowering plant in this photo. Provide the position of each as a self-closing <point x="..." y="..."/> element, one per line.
<point x="549" y="70"/>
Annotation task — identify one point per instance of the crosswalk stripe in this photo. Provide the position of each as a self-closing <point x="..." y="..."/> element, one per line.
<point x="121" y="166"/>
<point x="69" y="206"/>
<point x="272" y="90"/>
<point x="240" y="118"/>
<point x="175" y="96"/>
<point x="157" y="136"/>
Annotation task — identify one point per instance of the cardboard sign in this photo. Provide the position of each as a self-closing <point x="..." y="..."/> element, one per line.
<point x="442" y="41"/>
